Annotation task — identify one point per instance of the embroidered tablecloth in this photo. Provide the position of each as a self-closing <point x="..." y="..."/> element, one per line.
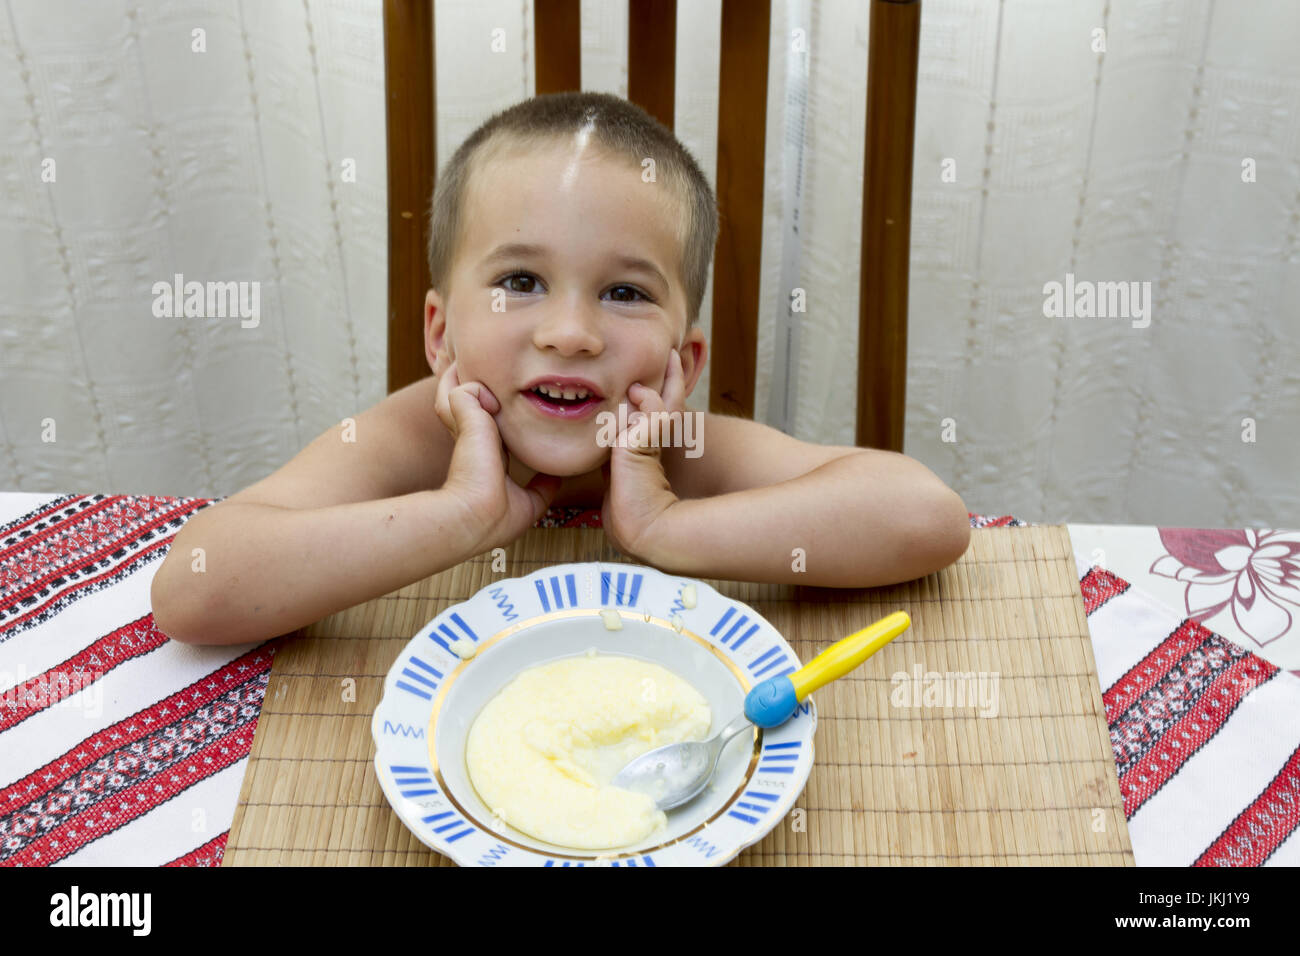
<point x="119" y="746"/>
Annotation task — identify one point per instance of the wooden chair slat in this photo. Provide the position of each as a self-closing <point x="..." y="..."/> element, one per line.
<point x="887" y="223"/>
<point x="557" y="45"/>
<point x="742" y="132"/>
<point x="410" y="96"/>
<point x="652" y="57"/>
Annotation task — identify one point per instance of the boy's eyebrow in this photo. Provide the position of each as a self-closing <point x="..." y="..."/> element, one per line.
<point x="523" y="250"/>
<point x="513" y="250"/>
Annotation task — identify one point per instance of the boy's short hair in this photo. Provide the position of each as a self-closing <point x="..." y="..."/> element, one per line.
<point x="619" y="126"/>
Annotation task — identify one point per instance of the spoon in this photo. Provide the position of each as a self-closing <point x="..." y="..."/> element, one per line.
<point x="673" y="774"/>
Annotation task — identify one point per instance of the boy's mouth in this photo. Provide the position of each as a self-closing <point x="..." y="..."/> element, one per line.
<point x="563" y="400"/>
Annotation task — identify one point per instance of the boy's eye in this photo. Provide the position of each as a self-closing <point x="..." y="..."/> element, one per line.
<point x="524" y="277"/>
<point x="632" y="289"/>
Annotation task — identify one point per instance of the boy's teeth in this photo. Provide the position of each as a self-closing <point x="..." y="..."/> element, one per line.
<point x="567" y="393"/>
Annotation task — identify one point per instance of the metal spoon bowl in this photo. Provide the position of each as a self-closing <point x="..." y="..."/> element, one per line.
<point x="676" y="773"/>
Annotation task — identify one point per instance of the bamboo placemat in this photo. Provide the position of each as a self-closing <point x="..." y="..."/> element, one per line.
<point x="894" y="782"/>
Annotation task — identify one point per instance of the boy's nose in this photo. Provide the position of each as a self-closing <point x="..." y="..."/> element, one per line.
<point x="570" y="327"/>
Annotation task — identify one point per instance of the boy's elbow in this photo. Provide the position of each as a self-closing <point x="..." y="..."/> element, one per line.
<point x="170" y="615"/>
<point x="947" y="534"/>
<point x="165" y="612"/>
<point x="953" y="535"/>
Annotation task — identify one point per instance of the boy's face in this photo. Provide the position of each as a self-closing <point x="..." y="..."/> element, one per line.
<point x="569" y="307"/>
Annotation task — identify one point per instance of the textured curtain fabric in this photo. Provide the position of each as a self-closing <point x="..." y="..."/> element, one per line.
<point x="214" y="140"/>
<point x="1148" y="144"/>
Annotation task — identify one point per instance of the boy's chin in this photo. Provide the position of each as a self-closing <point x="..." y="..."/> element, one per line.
<point x="562" y="464"/>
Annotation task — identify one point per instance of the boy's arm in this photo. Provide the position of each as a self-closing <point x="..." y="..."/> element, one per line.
<point x="354" y="515"/>
<point x="861" y="517"/>
<point x="269" y="570"/>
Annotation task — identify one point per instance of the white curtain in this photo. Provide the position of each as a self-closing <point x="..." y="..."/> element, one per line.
<point x="1070" y="141"/>
<point x="1122" y="166"/>
<point x="205" y="139"/>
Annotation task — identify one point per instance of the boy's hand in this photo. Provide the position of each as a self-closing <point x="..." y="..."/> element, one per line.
<point x="497" y="509"/>
<point x="638" y="493"/>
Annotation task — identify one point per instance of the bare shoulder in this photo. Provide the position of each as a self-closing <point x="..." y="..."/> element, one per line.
<point x="736" y="454"/>
<point x="396" y="447"/>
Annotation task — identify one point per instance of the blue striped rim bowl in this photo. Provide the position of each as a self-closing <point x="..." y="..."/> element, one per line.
<point x="721" y="646"/>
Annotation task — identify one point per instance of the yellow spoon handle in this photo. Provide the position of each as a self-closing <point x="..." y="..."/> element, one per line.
<point x="844" y="655"/>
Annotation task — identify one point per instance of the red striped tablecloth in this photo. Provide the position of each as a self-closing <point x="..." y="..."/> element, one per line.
<point x="121" y="747"/>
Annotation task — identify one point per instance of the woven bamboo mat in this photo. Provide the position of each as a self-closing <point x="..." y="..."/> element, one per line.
<point x="896" y="780"/>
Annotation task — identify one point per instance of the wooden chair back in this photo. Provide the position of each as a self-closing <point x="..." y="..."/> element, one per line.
<point x="742" y="109"/>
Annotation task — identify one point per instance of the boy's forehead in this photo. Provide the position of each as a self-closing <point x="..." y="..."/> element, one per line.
<point x="571" y="192"/>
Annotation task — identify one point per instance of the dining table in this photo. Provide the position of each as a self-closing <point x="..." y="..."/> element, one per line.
<point x="1132" y="699"/>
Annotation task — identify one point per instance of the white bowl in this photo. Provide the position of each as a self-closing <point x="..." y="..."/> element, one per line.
<point x="432" y="696"/>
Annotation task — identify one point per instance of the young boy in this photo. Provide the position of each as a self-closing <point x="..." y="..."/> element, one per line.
<point x="571" y="237"/>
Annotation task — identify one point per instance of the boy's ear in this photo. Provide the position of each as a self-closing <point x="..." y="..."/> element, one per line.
<point x="694" y="352"/>
<point x="435" y="333"/>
